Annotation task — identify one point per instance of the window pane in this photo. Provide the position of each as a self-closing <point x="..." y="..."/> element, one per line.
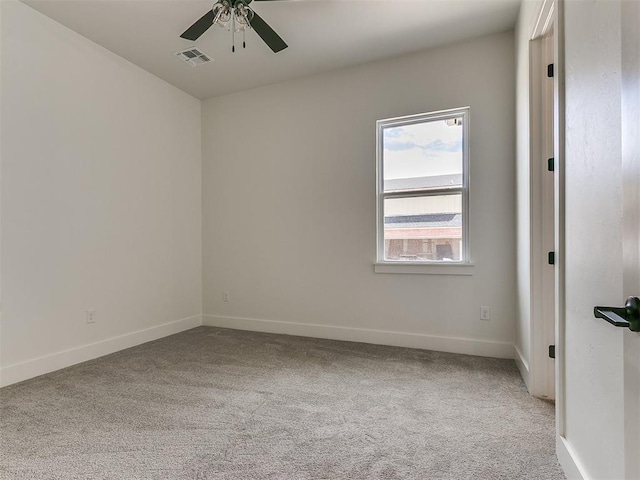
<point x="419" y="229"/>
<point x="422" y="155"/>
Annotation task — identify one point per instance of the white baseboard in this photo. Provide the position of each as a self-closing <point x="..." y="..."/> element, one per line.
<point x="467" y="346"/>
<point x="55" y="361"/>
<point x="573" y="470"/>
<point x="522" y="365"/>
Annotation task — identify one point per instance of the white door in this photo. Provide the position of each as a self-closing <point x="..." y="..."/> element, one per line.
<point x="599" y="420"/>
<point x="630" y="35"/>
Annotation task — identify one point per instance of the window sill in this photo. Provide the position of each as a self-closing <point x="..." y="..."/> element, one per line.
<point x="425" y="268"/>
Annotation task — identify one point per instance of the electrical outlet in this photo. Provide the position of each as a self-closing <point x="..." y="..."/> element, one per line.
<point x="91" y="316"/>
<point x="226" y="296"/>
<point x="485" y="313"/>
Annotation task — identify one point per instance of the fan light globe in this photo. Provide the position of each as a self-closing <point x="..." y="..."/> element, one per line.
<point x="243" y="15"/>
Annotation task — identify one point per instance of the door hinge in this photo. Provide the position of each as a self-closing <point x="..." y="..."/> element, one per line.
<point x="552" y="258"/>
<point x="551" y="164"/>
<point x="550" y="70"/>
<point x="552" y="351"/>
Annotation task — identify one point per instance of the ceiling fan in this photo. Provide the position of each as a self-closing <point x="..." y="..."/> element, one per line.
<point x="237" y="15"/>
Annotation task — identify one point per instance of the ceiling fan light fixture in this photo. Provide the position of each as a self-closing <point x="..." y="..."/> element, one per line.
<point x="241" y="17"/>
<point x="224" y="15"/>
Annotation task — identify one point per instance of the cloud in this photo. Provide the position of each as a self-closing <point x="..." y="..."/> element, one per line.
<point x="433" y="147"/>
<point x="429" y="136"/>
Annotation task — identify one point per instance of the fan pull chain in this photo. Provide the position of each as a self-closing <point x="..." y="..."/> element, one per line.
<point x="233" y="33"/>
<point x="244" y="44"/>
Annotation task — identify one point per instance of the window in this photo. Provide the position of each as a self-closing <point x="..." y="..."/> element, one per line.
<point x="423" y="189"/>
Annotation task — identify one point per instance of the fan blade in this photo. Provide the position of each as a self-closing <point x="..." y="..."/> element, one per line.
<point x="270" y="37"/>
<point x="197" y="29"/>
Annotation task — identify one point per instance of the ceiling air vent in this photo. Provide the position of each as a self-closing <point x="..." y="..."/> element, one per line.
<point x="194" y="56"/>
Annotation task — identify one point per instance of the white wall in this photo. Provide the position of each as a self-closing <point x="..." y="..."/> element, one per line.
<point x="289" y="203"/>
<point x="593" y="228"/>
<point x="101" y="199"/>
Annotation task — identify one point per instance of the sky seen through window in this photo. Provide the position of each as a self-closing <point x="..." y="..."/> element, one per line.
<point x="422" y="150"/>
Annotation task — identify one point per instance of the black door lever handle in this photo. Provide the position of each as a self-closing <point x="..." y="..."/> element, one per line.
<point x="627" y="316"/>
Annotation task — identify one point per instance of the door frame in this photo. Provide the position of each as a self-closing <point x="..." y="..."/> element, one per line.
<point x="564" y="450"/>
<point x="550" y="17"/>
<point x="542" y="204"/>
<point x="630" y="106"/>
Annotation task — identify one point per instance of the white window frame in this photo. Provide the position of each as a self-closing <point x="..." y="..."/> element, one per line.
<point x="428" y="267"/>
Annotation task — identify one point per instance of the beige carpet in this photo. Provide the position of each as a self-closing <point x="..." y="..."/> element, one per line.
<point x="212" y="403"/>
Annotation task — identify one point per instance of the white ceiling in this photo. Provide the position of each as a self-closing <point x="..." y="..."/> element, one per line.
<point x="322" y="35"/>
